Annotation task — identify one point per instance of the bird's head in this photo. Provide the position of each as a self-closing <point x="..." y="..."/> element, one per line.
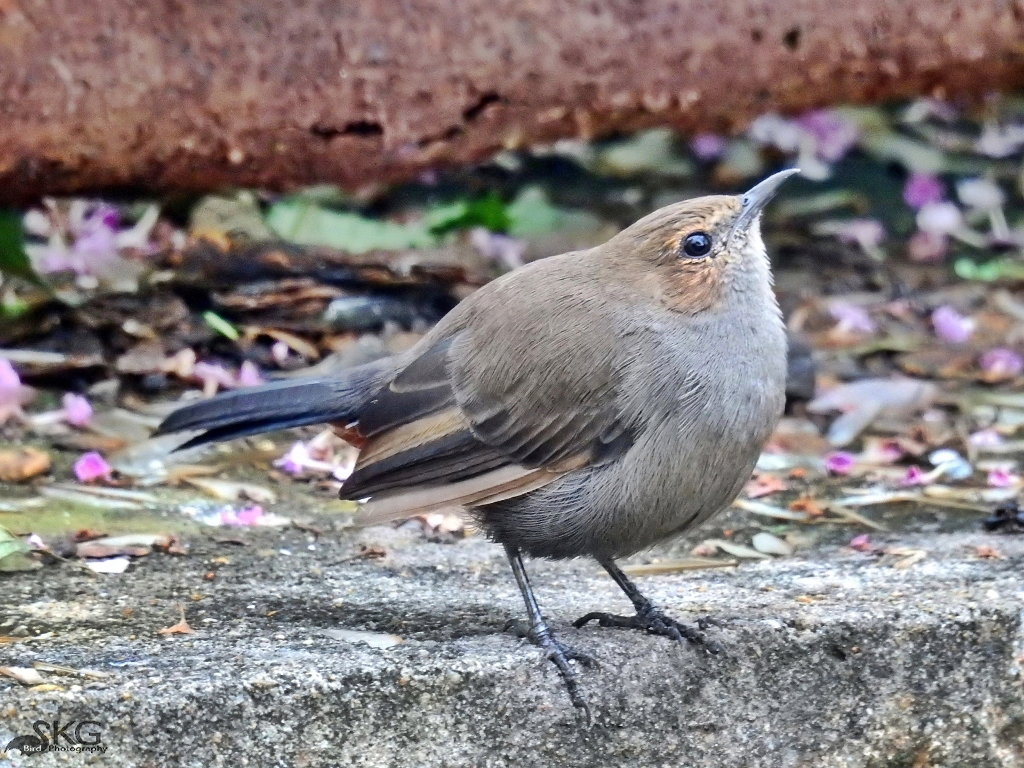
<point x="706" y="249"/>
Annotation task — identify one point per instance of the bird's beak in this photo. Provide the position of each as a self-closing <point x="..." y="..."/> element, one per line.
<point x="755" y="199"/>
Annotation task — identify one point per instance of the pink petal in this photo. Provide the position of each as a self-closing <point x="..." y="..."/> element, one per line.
<point x="851" y="317"/>
<point x="707" y="146"/>
<point x="913" y="476"/>
<point x="91" y="467"/>
<point x="1001" y="362"/>
<point x="921" y="189"/>
<point x="295" y="461"/>
<point x="951" y="326"/>
<point x="861" y="543"/>
<point x="9" y="378"/>
<point x="249" y="515"/>
<point x="249" y="375"/>
<point x="839" y="462"/>
<point x="213" y="376"/>
<point x="1001" y="478"/>
<point x="985" y="438"/>
<point x="77" y="410"/>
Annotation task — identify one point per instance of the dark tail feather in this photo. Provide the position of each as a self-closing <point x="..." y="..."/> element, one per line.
<point x="278" y="405"/>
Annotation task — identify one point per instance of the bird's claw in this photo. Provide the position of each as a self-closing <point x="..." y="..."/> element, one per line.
<point x="560" y="655"/>
<point x="654" y="622"/>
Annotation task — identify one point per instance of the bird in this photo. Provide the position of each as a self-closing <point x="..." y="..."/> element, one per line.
<point x="590" y="404"/>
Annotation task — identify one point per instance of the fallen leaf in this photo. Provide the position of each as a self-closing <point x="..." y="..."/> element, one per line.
<point x="16" y="466"/>
<point x="14" y="554"/>
<point x="130" y="545"/>
<point x="736" y="550"/>
<point x="181" y="628"/>
<point x="987" y="552"/>
<point x="808" y="506"/>
<point x="24" y="675"/>
<point x="371" y="552"/>
<point x="770" y="544"/>
<point x="46" y="666"/>
<point x="764" y="484"/>
<point x="109" y="565"/>
<point x="907" y="555"/>
<point x="678" y="566"/>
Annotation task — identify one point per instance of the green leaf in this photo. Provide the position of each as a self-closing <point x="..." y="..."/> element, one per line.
<point x="220" y="325"/>
<point x="14" y="553"/>
<point x="488" y="211"/>
<point x="299" y="221"/>
<point x="13" y="259"/>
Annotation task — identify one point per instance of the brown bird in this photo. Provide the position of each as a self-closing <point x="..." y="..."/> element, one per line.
<point x="592" y="403"/>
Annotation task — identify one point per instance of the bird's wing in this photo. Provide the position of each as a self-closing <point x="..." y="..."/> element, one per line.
<point x="491" y="411"/>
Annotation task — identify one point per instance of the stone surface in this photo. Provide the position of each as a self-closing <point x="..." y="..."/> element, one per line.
<point x="830" y="658"/>
<point x="196" y="96"/>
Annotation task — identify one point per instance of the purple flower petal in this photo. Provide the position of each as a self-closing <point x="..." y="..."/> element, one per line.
<point x="839" y="462"/>
<point x="1001" y="478"/>
<point x="77" y="410"/>
<point x="249" y="375"/>
<point x="9" y="378"/>
<point x="921" y="189"/>
<point x="985" y="438"/>
<point x="834" y="135"/>
<point x="913" y="476"/>
<point x="248" y="516"/>
<point x="295" y="461"/>
<point x="951" y="326"/>
<point x="213" y="376"/>
<point x="861" y="543"/>
<point x="707" y="146"/>
<point x="1001" y="362"/>
<point x="851" y="318"/>
<point x="91" y="467"/>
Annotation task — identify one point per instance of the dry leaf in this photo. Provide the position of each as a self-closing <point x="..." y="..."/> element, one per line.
<point x="770" y="544"/>
<point x="808" y="506"/>
<point x="181" y="628"/>
<point x="24" y="675"/>
<point x="987" y="552"/>
<point x="19" y="465"/>
<point x="764" y="484"/>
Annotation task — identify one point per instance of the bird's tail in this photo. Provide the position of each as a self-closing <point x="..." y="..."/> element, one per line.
<point x="279" y="405"/>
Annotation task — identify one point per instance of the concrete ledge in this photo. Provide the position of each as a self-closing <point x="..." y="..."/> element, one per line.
<point x="831" y="659"/>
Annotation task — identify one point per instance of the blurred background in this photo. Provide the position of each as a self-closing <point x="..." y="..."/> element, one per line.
<point x="202" y="199"/>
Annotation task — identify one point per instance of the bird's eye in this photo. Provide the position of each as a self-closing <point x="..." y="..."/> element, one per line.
<point x="697" y="244"/>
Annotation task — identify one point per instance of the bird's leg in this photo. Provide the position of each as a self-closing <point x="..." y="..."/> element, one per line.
<point x="540" y="635"/>
<point x="648" y="617"/>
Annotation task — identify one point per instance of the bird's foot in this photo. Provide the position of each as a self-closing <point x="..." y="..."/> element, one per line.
<point x="652" y="621"/>
<point x="560" y="655"/>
